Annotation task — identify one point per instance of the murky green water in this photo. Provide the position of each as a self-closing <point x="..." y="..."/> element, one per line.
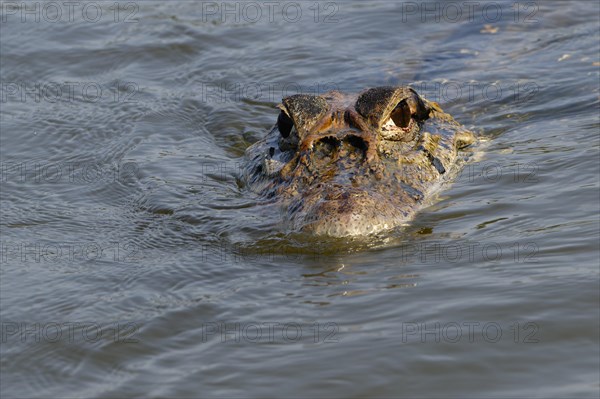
<point x="133" y="265"/>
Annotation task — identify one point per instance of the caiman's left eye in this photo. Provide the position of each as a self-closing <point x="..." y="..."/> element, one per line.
<point x="284" y="124"/>
<point x="401" y="115"/>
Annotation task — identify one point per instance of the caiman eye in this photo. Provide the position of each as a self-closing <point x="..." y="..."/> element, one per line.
<point x="401" y="115"/>
<point x="284" y="124"/>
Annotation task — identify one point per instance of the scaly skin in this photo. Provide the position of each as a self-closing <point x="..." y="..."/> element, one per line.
<point x="354" y="164"/>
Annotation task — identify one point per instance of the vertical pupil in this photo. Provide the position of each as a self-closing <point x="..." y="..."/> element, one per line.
<point x="401" y="115"/>
<point x="284" y="124"/>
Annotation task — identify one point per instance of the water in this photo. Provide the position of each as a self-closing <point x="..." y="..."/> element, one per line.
<point x="134" y="265"/>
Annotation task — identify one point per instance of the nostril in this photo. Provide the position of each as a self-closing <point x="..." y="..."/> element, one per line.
<point x="357" y="142"/>
<point x="343" y="147"/>
<point x="326" y="146"/>
<point x="329" y="140"/>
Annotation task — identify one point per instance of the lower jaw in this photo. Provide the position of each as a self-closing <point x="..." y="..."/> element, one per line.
<point x="357" y="214"/>
<point x="347" y="228"/>
<point x="344" y="232"/>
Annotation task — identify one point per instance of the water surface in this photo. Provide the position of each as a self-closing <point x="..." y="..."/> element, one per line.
<point x="134" y="265"/>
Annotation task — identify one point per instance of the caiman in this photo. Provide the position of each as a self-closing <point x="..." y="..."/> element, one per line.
<point x="351" y="165"/>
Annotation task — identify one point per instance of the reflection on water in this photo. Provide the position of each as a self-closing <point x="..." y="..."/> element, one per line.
<point x="134" y="264"/>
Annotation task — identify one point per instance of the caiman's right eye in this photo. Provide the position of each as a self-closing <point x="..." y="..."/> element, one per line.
<point x="401" y="115"/>
<point x="284" y="124"/>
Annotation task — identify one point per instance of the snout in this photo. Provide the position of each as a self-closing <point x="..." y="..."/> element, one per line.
<point x="346" y="211"/>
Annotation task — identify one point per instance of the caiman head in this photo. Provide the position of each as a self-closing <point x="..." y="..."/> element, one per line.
<point x="345" y="165"/>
